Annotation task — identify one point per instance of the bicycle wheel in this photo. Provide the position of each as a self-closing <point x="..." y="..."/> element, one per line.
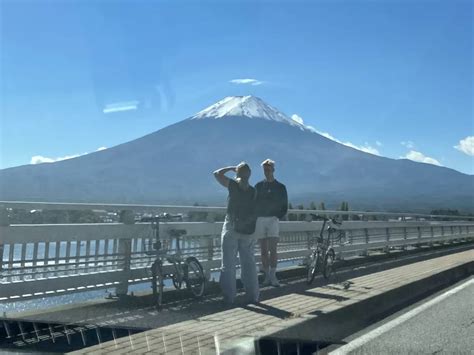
<point x="312" y="267"/>
<point x="194" y="277"/>
<point x="176" y="277"/>
<point x="157" y="283"/>
<point x="328" y="267"/>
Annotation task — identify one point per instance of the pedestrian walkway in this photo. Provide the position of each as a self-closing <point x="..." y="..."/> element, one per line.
<point x="294" y="315"/>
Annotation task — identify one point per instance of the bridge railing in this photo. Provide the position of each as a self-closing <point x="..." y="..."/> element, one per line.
<point x="41" y="260"/>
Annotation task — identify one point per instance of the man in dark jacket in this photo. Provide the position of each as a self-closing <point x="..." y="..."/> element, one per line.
<point x="271" y="206"/>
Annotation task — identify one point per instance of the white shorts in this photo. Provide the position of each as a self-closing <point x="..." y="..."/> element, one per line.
<point x="267" y="227"/>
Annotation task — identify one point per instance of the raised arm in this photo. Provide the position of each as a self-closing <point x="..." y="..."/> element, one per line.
<point x="219" y="174"/>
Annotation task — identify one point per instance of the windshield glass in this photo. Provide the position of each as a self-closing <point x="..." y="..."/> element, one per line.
<point x="145" y="144"/>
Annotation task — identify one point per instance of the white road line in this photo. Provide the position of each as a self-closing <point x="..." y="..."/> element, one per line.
<point x="358" y="342"/>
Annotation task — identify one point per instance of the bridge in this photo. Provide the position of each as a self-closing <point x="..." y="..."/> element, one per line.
<point x="383" y="254"/>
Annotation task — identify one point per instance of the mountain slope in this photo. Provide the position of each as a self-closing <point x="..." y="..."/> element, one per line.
<point x="175" y="164"/>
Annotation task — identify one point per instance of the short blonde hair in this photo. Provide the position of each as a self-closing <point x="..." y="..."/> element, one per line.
<point x="268" y="162"/>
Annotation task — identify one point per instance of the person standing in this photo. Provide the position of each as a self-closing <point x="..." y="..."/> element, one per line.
<point x="238" y="234"/>
<point x="271" y="206"/>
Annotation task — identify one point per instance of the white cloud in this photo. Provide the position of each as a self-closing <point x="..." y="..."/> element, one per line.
<point x="364" y="148"/>
<point x="327" y="135"/>
<point x="379" y="144"/>
<point x="39" y="159"/>
<point x="121" y="106"/>
<point x="297" y="118"/>
<point x="408" y="144"/>
<point x="253" y="82"/>
<point x="421" y="158"/>
<point x="466" y="145"/>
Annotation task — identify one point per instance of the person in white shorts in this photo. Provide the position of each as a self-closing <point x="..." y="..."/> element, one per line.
<point x="271" y="206"/>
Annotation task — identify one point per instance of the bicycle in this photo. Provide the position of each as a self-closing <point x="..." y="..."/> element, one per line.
<point x="188" y="271"/>
<point x="323" y="256"/>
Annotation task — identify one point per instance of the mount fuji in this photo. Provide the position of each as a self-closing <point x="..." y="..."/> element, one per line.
<point x="174" y="166"/>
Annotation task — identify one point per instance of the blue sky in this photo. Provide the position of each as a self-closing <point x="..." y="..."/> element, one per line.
<point x="391" y="77"/>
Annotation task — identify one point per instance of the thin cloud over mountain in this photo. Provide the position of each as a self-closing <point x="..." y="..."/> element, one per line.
<point x="364" y="148"/>
<point x="421" y="158"/>
<point x="39" y="159"/>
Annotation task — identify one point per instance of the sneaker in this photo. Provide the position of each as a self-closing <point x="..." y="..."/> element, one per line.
<point x="274" y="281"/>
<point x="267" y="281"/>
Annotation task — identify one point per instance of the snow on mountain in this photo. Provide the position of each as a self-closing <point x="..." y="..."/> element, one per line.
<point x="248" y="107"/>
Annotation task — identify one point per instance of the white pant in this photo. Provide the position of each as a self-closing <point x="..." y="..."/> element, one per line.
<point x="267" y="227"/>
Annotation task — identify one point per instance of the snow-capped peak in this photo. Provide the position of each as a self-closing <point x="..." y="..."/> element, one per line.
<point x="245" y="106"/>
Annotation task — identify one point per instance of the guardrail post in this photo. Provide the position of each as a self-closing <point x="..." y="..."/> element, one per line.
<point x="211" y="217"/>
<point x="210" y="247"/>
<point x="309" y="239"/>
<point x="125" y="253"/>
<point x="405" y="236"/>
<point x="419" y="235"/>
<point x="210" y="254"/>
<point x="366" y="233"/>
<point x="4" y="222"/>
<point x="4" y="219"/>
<point x="387" y="247"/>
<point x="1" y="256"/>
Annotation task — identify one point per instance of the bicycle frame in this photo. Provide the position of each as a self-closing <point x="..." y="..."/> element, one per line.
<point x="180" y="265"/>
<point x="175" y="259"/>
<point x="322" y="255"/>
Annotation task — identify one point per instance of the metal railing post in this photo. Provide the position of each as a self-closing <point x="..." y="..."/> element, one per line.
<point x="387" y="247"/>
<point x="4" y="222"/>
<point x="309" y="239"/>
<point x="210" y="247"/>
<point x="125" y="253"/>
<point x="366" y="250"/>
<point x="405" y="237"/>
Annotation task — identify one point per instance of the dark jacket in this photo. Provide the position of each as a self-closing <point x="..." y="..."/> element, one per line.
<point x="272" y="199"/>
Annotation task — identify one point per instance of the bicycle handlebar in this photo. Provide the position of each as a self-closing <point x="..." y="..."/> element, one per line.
<point x="332" y="220"/>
